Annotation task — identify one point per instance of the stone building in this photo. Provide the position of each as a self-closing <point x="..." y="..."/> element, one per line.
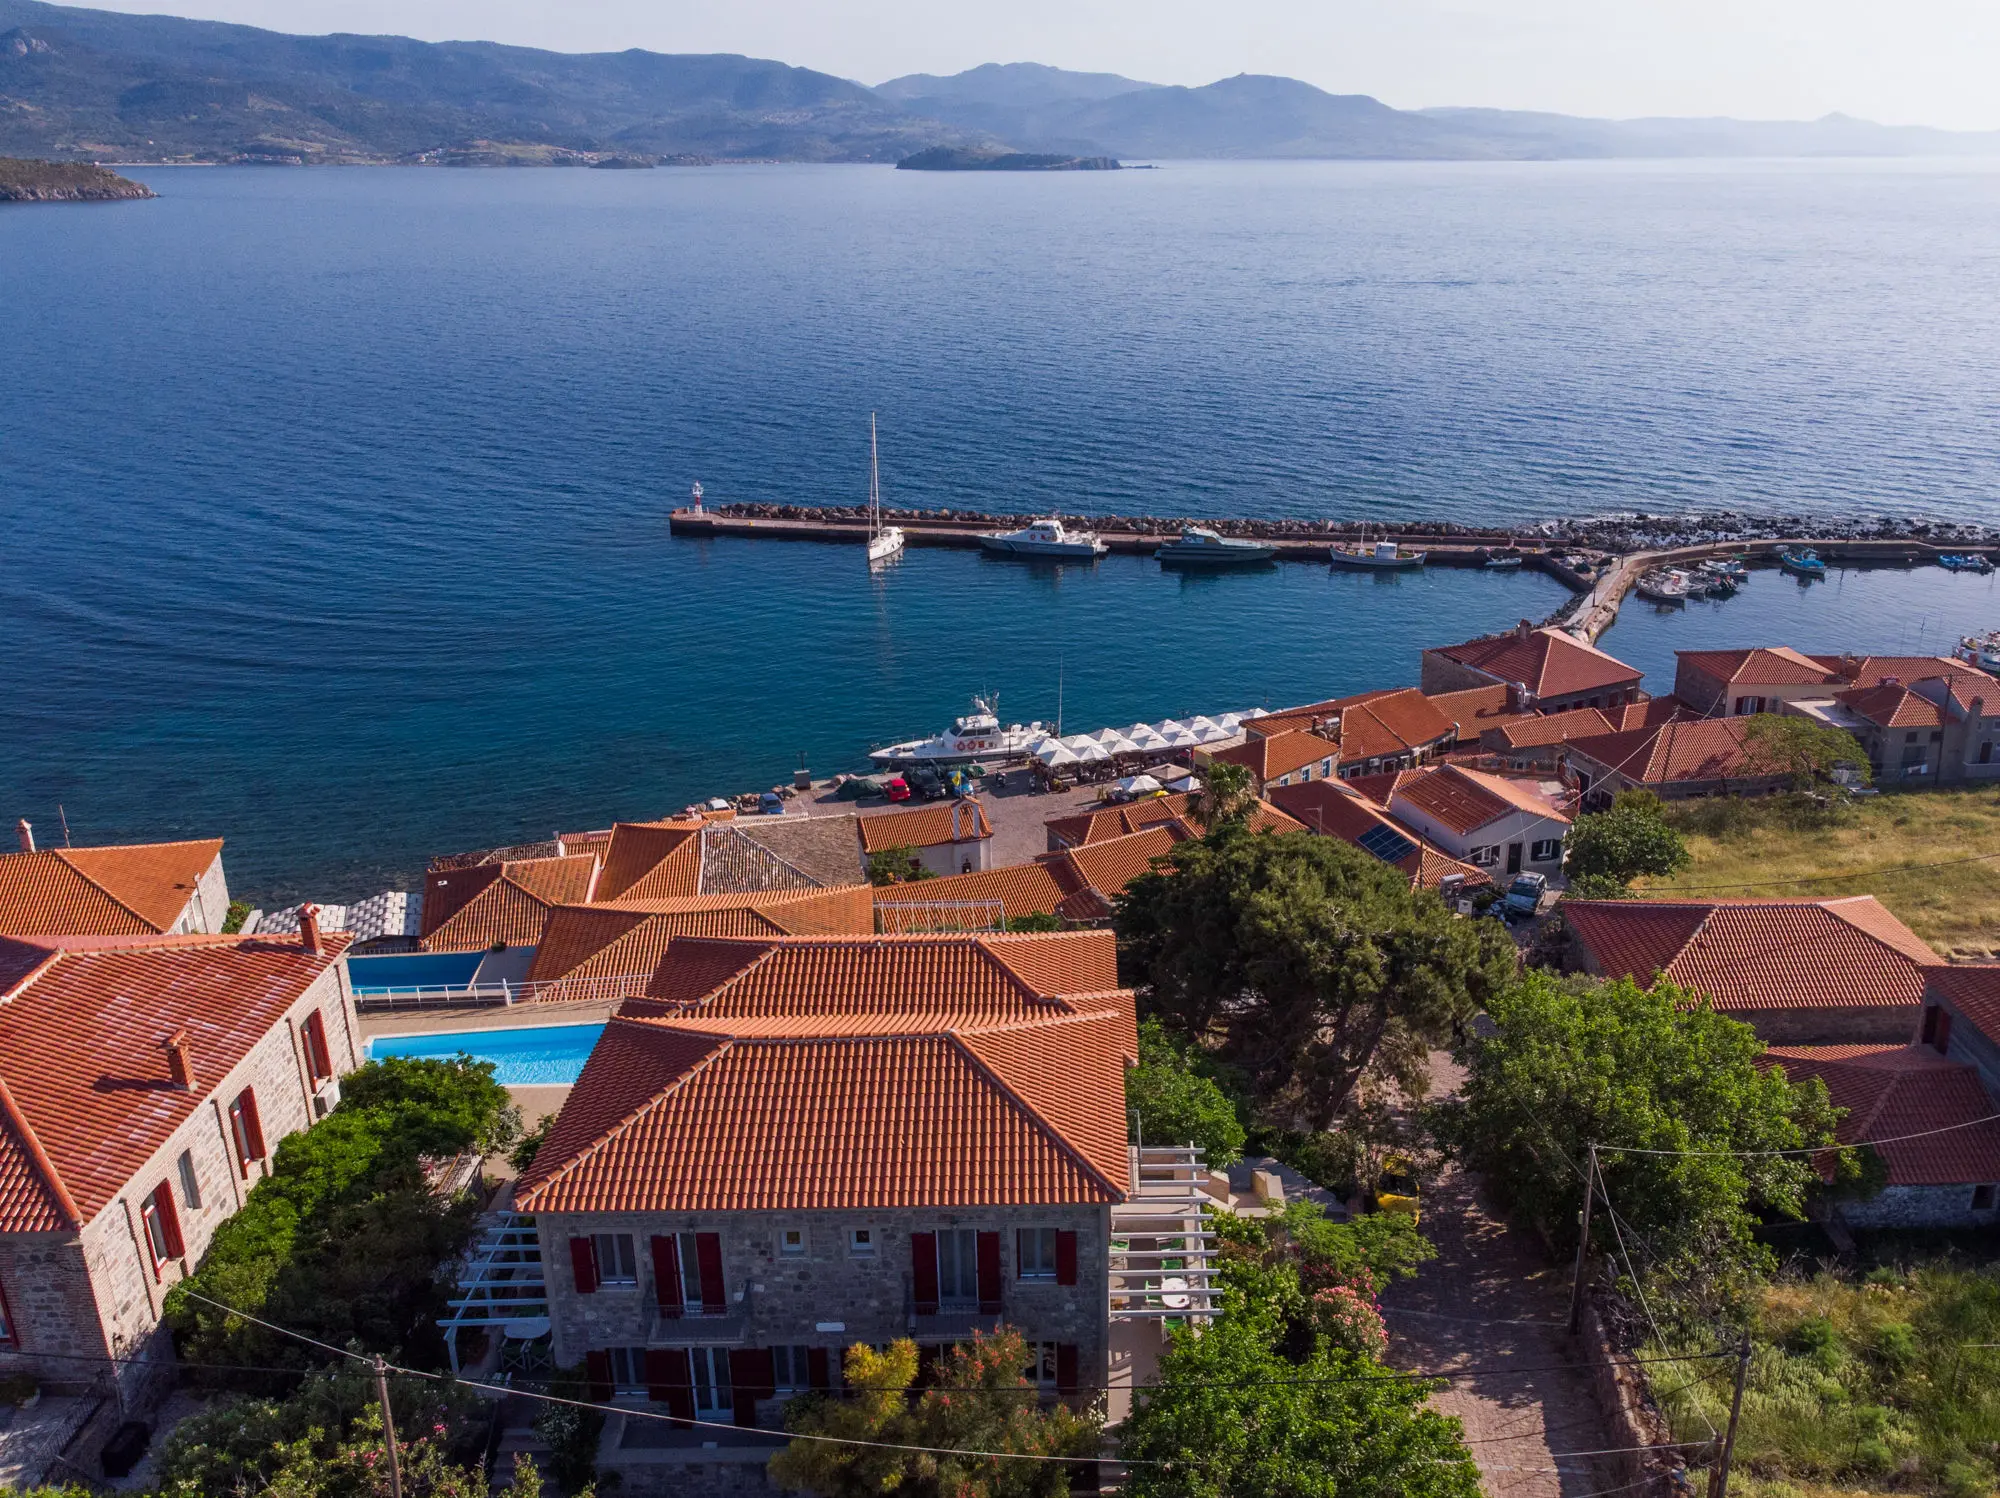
<point x="1543" y="670"/>
<point x="130" y="889"/>
<point x="799" y="1144"/>
<point x="144" y="1083"/>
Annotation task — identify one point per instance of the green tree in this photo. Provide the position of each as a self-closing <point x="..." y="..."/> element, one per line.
<point x="1807" y="753"/>
<point x="981" y="1402"/>
<point x="1597" y="887"/>
<point x="1612" y="1064"/>
<point x="1308" y="960"/>
<point x="896" y="866"/>
<point x="1038" y="920"/>
<point x="1177" y="1102"/>
<point x="1630" y="839"/>
<point x="1228" y="796"/>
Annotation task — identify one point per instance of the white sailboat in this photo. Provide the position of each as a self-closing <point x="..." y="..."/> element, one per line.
<point x="884" y="541"/>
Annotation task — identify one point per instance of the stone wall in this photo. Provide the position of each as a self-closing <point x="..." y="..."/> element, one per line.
<point x="1439" y="673"/>
<point x="1919" y="1207"/>
<point x="1871" y="1024"/>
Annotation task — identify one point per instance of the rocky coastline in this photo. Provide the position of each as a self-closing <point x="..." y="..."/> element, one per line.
<point x="23" y="181"/>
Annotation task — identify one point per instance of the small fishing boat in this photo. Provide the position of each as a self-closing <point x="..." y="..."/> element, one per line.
<point x="1982" y="651"/>
<point x="1383" y="556"/>
<point x="1805" y="563"/>
<point x="975" y="736"/>
<point x="1967" y="562"/>
<point x="1503" y="562"/>
<point x="884" y="541"/>
<point x="1045" y="538"/>
<point x="1198" y="546"/>
<point x="1663" y="587"/>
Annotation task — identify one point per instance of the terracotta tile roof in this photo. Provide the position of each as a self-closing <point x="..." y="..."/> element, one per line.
<point x="1021" y="889"/>
<point x="1973" y="989"/>
<point x="1331" y="809"/>
<point x="994" y="976"/>
<point x="1777" y="666"/>
<point x="652" y="860"/>
<point x="1268" y="818"/>
<point x="1890" y="706"/>
<point x="1380" y="788"/>
<point x="1547" y="728"/>
<point x="1093" y="876"/>
<point x="1279" y="754"/>
<point x="1476" y="707"/>
<point x="471" y="909"/>
<point x="127" y="889"/>
<point x="1547" y="662"/>
<point x="1465" y="800"/>
<point x="1707" y="749"/>
<point x="1873" y="670"/>
<point x="1668" y="709"/>
<point x="1891" y="1091"/>
<point x="691" y="1116"/>
<point x="1846" y="953"/>
<point x="947" y="822"/>
<point x="1079" y="829"/>
<point x="83" y="1076"/>
<point x="629" y="937"/>
<point x="826" y="850"/>
<point x="1389" y="721"/>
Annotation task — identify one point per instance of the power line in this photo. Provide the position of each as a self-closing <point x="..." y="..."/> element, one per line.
<point x="1900" y="868"/>
<point x="1811" y="1149"/>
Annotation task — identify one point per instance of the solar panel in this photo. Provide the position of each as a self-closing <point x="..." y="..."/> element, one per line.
<point x="1386" y="843"/>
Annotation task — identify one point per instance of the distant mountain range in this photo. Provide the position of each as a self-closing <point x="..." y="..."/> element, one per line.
<point x="82" y="84"/>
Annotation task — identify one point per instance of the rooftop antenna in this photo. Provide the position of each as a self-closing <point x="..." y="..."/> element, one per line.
<point x="65" y="824"/>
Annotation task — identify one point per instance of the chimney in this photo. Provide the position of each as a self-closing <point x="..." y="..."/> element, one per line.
<point x="1523" y="630"/>
<point x="25" y="830"/>
<point x="180" y="1060"/>
<point x="309" y="928"/>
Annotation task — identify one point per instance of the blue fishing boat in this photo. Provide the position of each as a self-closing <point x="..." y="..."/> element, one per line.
<point x="1967" y="562"/>
<point x="1805" y="563"/>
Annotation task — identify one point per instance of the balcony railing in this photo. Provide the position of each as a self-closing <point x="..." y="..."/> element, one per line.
<point x="1162" y="1253"/>
<point x="502" y="992"/>
<point x="698" y="1326"/>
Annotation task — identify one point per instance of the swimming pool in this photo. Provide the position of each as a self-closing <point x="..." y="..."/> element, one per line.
<point x="529" y="1056"/>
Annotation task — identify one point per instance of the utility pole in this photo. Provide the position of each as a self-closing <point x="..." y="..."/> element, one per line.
<point x="389" y="1428"/>
<point x="1718" y="1483"/>
<point x="1582" y="1245"/>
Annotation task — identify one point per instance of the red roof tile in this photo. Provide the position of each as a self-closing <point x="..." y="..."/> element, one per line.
<point x="1873" y="670"/>
<point x="1547" y="662"/>
<point x="1892" y="707"/>
<point x="1973" y="989"/>
<point x="1369" y="725"/>
<point x="1475" y="708"/>
<point x="1779" y="666"/>
<point x="1021" y="889"/>
<point x="686" y="1115"/>
<point x="627" y="938"/>
<point x="1380" y="788"/>
<point x="127" y="889"/>
<point x="1846" y="953"/>
<point x="1653" y="710"/>
<point x="1278" y="754"/>
<point x="1094" y="876"/>
<point x="1331" y="809"/>
<point x="948" y="822"/>
<point x="1465" y="800"/>
<point x="1892" y="1091"/>
<point x="651" y="860"/>
<point x="1708" y="749"/>
<point x="1081" y="828"/>
<point x="471" y="909"/>
<point x="81" y="1059"/>
<point x="1546" y="728"/>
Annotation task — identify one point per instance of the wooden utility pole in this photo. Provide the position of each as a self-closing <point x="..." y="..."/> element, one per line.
<point x="1718" y="1483"/>
<point x="1582" y="1244"/>
<point x="389" y="1428"/>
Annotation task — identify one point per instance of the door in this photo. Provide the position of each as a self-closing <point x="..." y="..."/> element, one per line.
<point x="1513" y="858"/>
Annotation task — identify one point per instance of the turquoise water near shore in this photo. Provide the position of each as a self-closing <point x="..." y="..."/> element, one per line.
<point x="335" y="501"/>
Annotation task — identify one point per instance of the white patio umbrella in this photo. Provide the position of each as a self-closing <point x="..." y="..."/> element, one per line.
<point x="1180" y="737"/>
<point x="1213" y="731"/>
<point x="1139" y="785"/>
<point x="1091" y="753"/>
<point x="1168" y="727"/>
<point x="1200" y="723"/>
<point x="1145" y="736"/>
<point x="1120" y="746"/>
<point x="1106" y="735"/>
<point x="1054" y="753"/>
<point x="1229" y="722"/>
<point x="1076" y="742"/>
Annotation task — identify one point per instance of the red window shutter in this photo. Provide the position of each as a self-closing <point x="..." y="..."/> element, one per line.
<point x="670" y="1380"/>
<point x="751" y="1377"/>
<point x="598" y="1365"/>
<point x="708" y="1258"/>
<point x="318" y="1062"/>
<point x="923" y="1272"/>
<point x="667" y="1274"/>
<point x="583" y="1264"/>
<point x="989" y="1274"/>
<point x="170" y="1221"/>
<point x="818" y="1372"/>
<point x="1066" y="1381"/>
<point x="253" y="1126"/>
<point x="1065" y="1257"/>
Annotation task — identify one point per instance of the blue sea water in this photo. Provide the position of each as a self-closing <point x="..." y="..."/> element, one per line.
<point x="530" y="1056"/>
<point x="333" y="503"/>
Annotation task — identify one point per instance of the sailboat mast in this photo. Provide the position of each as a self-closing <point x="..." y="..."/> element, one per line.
<point x="874" y="483"/>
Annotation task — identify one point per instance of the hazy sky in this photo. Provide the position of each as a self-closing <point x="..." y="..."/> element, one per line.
<point x="1934" y="62"/>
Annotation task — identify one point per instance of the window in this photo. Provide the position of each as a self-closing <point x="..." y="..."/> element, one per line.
<point x="792" y="1243"/>
<point x="1041" y="1369"/>
<point x="687" y="1274"/>
<point x="791" y="1369"/>
<point x="8" y="1336"/>
<point x="319" y="1061"/>
<point x="617" y="1264"/>
<point x="1548" y="850"/>
<point x="712" y="1392"/>
<point x="1982" y="1197"/>
<point x="861" y="1243"/>
<point x="628" y="1368"/>
<point x="958" y="1267"/>
<point x="1035" y="1253"/>
<point x="190" y="1182"/>
<point x="1485" y="856"/>
<point x="163" y="1228"/>
<point x="1986" y="752"/>
<point x="246" y="1130"/>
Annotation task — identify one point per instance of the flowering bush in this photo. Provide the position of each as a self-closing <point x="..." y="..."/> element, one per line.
<point x="1348" y="1319"/>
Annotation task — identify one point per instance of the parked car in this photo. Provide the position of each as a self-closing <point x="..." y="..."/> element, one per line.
<point x="1396" y="1188"/>
<point x="1524" y="895"/>
<point x="771" y="804"/>
<point x="927" y="783"/>
<point x="896" y="788"/>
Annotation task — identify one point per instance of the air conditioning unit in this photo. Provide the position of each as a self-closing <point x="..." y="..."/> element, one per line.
<point x="327" y="1098"/>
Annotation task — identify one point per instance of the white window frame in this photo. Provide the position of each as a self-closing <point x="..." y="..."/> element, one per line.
<point x="611" y="1273"/>
<point x="1041" y="1370"/>
<point x="958" y="1268"/>
<point x="861" y="1243"/>
<point x="628" y="1369"/>
<point x="713" y="1392"/>
<point x="1485" y="856"/>
<point x="791" y="1368"/>
<point x="154" y="1221"/>
<point x="1035" y="1254"/>
<point x="1554" y="845"/>
<point x="793" y="1243"/>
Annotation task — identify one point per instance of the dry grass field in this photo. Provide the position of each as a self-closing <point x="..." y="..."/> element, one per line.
<point x="1932" y="857"/>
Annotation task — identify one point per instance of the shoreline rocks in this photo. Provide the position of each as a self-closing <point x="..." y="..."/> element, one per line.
<point x="25" y="181"/>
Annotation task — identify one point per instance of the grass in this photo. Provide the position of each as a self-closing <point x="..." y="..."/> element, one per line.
<point x="1874" y="848"/>
<point x="1866" y="1387"/>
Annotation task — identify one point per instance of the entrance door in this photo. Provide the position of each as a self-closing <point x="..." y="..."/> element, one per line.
<point x="1513" y="858"/>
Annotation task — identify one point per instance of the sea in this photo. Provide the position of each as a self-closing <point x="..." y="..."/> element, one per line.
<point x="333" y="503"/>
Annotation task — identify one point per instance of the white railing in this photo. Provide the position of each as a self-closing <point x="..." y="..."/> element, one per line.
<point x="500" y="1280"/>
<point x="1162" y="1254"/>
<point x="914" y="917"/>
<point x="504" y="992"/>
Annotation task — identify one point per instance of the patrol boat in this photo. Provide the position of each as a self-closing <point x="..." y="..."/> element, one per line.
<point x="977" y="736"/>
<point x="1045" y="538"/>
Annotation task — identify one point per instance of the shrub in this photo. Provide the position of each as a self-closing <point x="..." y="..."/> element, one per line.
<point x="1177" y="1100"/>
<point x="1631" y="839"/>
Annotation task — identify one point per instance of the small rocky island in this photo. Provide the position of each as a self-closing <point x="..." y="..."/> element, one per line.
<point x="995" y="159"/>
<point x="24" y="181"/>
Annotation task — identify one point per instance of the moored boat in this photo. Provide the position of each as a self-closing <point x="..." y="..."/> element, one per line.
<point x="884" y="541"/>
<point x="977" y="736"/>
<point x="1663" y="587"/>
<point x="1504" y="562"/>
<point x="1970" y="561"/>
<point x="1198" y="546"/>
<point x="1045" y="538"/>
<point x="1982" y="651"/>
<point x="1803" y="563"/>
<point x="1383" y="556"/>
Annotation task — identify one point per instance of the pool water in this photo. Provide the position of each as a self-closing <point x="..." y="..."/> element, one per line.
<point x="414" y="970"/>
<point x="534" y="1055"/>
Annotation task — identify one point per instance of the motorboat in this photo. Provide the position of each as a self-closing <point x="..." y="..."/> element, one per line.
<point x="1198" y="546"/>
<point x="1968" y="562"/>
<point x="1383" y="556"/>
<point x="1982" y="651"/>
<point x="884" y="541"/>
<point x="1805" y="563"/>
<point x="1045" y="538"/>
<point x="1663" y="587"/>
<point x="1504" y="562"/>
<point x="975" y="736"/>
